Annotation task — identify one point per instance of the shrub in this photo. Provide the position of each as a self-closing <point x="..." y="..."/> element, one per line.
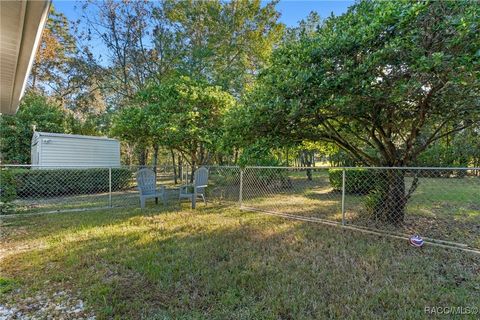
<point x="59" y="182"/>
<point x="7" y="191"/>
<point x="384" y="202"/>
<point x="373" y="202"/>
<point x="224" y="177"/>
<point x="357" y="181"/>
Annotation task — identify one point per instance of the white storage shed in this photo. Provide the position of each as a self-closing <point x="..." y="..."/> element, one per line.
<point x="60" y="150"/>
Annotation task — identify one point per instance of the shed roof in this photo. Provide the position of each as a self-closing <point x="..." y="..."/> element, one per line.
<point x="77" y="136"/>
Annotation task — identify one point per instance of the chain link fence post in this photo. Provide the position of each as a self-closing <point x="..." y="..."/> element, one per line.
<point x="343" y="196"/>
<point x="194" y="198"/>
<point x="240" y="195"/>
<point x="185" y="174"/>
<point x="110" y="187"/>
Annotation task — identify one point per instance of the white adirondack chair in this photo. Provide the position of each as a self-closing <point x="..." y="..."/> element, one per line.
<point x="200" y="182"/>
<point x="147" y="186"/>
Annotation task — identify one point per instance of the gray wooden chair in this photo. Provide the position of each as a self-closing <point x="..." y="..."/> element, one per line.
<point x="147" y="187"/>
<point x="197" y="189"/>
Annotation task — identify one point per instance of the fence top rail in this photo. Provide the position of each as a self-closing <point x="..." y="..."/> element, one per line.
<point x="55" y="166"/>
<point x="375" y="168"/>
<point x="220" y="166"/>
<point x="83" y="166"/>
<point x="235" y="167"/>
<point x="160" y="168"/>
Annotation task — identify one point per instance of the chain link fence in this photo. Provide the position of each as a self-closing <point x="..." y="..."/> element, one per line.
<point x="441" y="204"/>
<point x="29" y="189"/>
<point x="436" y="203"/>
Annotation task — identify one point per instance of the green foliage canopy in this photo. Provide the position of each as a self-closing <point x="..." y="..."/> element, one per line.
<point x="383" y="81"/>
<point x="180" y="113"/>
<point x="224" y="42"/>
<point x="16" y="130"/>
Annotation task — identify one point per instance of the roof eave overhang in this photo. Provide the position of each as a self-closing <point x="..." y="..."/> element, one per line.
<point x="21" y="32"/>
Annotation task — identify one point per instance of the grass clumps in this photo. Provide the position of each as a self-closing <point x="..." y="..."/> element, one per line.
<point x="220" y="262"/>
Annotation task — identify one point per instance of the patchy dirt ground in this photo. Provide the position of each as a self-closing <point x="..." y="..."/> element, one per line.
<point x="58" y="305"/>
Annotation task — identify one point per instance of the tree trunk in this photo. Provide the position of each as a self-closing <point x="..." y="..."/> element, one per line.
<point x="307" y="162"/>
<point x="34" y="79"/>
<point x="128" y="154"/>
<point x="201" y="157"/>
<point x="180" y="167"/>
<point x="142" y="155"/>
<point x="155" y="160"/>
<point x="174" y="166"/>
<point x="193" y="170"/>
<point x="391" y="197"/>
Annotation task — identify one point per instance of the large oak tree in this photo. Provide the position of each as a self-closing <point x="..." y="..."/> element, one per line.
<point x="383" y="82"/>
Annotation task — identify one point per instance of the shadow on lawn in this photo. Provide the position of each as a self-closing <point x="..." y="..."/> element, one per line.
<point x="434" y="219"/>
<point x="67" y="222"/>
<point x="207" y="264"/>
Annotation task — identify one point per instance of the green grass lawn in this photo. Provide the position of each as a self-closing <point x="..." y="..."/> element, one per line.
<point x="220" y="262"/>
